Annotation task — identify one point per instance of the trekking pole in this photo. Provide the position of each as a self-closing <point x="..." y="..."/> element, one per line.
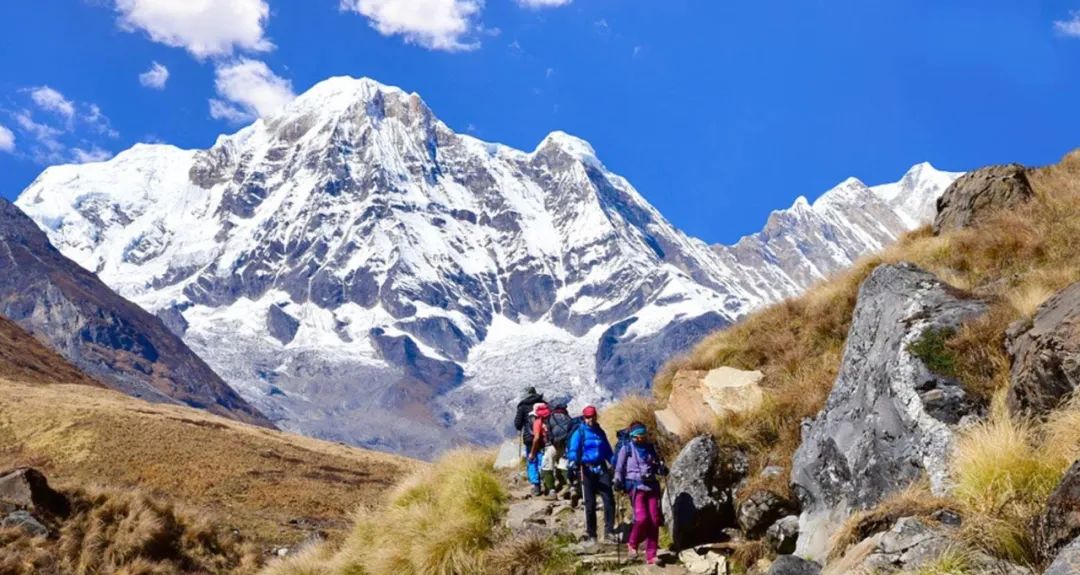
<point x="618" y="535"/>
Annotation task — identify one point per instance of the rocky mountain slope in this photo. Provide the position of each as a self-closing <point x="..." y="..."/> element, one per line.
<point x="358" y="271"/>
<point x="26" y="359"/>
<point x="105" y="336"/>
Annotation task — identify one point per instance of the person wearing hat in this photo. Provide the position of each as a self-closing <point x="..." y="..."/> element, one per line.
<point x="589" y="455"/>
<point x="637" y="470"/>
<point x="535" y="459"/>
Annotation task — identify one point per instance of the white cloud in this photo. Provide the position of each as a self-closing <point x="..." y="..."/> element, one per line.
<point x="51" y="100"/>
<point x="155" y="77"/>
<point x="436" y="24"/>
<point x="1070" y="27"/>
<point x="47" y="136"/>
<point x="248" y="89"/>
<point x="94" y="154"/>
<point x="7" y="140"/>
<point x="543" y="3"/>
<point x="203" y="27"/>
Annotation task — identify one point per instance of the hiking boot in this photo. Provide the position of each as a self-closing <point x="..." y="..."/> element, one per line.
<point x="536" y="490"/>
<point x="612" y="539"/>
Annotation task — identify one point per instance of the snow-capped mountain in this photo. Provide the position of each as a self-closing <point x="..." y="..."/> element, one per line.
<point x="360" y="272"/>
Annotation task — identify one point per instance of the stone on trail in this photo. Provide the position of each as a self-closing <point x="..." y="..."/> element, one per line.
<point x="530" y="512"/>
<point x="703" y="561"/>
<point x="792" y="565"/>
<point x="889" y="419"/>
<point x="509" y="455"/>
<point x="1045" y="355"/>
<point x="23" y="520"/>
<point x="976" y="194"/>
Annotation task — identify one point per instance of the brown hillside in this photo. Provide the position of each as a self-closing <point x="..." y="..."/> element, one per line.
<point x="275" y="487"/>
<point x="24" y="358"/>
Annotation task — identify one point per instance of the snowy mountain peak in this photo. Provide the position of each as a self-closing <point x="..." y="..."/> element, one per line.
<point x="360" y="272"/>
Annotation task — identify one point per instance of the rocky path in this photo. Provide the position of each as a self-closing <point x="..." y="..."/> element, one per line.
<point x="555" y="516"/>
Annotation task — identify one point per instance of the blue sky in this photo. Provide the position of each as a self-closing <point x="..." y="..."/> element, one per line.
<point x="717" y="111"/>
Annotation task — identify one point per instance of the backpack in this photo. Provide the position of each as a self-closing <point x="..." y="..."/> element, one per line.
<point x="622" y="439"/>
<point x="527" y="432"/>
<point x="560" y="426"/>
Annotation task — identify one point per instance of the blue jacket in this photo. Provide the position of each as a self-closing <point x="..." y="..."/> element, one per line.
<point x="589" y="446"/>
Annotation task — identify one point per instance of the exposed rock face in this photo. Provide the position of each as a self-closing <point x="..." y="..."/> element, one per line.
<point x="1046" y="355"/>
<point x="101" y="333"/>
<point x="702" y="396"/>
<point x="1060" y="523"/>
<point x="877" y="432"/>
<point x="1067" y="561"/>
<point x="792" y="565"/>
<point x="281" y="325"/>
<point x="27" y="489"/>
<point x="698" y="502"/>
<point x="981" y="192"/>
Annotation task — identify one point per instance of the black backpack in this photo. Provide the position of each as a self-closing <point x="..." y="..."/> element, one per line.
<point x="561" y="426"/>
<point x="527" y="432"/>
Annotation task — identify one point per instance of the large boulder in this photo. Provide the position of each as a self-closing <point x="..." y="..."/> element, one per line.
<point x="699" y="500"/>
<point x="699" y="396"/>
<point x="760" y="510"/>
<point x="1060" y="522"/>
<point x="509" y="455"/>
<point x="888" y="420"/>
<point x="1046" y="355"/>
<point x="27" y="489"/>
<point x="1067" y="561"/>
<point x="976" y="194"/>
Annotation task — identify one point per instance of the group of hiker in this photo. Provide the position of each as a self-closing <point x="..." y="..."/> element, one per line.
<point x="572" y="455"/>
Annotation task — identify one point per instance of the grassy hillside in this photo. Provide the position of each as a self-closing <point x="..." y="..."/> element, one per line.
<point x="274" y="487"/>
<point x="24" y="358"/>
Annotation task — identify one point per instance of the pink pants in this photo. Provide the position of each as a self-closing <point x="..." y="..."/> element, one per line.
<point x="646" y="522"/>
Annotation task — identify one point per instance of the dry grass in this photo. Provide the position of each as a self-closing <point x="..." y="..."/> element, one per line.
<point x="531" y="554"/>
<point x="1002" y="477"/>
<point x="442" y="520"/>
<point x="629" y="409"/>
<point x="1013" y="260"/>
<point x="250" y="478"/>
<point x="123" y="532"/>
<point x="915" y="501"/>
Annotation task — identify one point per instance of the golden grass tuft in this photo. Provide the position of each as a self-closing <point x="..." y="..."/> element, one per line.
<point x="1002" y="478"/>
<point x="627" y="410"/>
<point x="127" y="532"/>
<point x="530" y="554"/>
<point x="441" y="520"/>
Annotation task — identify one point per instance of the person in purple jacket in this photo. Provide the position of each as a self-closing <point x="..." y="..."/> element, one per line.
<point x="637" y="470"/>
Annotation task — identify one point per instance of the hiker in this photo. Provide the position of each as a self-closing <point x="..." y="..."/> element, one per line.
<point x="589" y="455"/>
<point x="558" y="426"/>
<point x="533" y="436"/>
<point x="637" y="470"/>
<point x="525" y="407"/>
<point x="523" y="421"/>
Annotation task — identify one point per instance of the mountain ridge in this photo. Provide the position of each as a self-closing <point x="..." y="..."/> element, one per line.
<point x="354" y="267"/>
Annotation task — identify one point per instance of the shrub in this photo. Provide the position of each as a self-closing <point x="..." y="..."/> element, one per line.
<point x="930" y="349"/>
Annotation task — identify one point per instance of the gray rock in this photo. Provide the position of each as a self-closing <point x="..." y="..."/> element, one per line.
<point x="23" y="520"/>
<point x="280" y="324"/>
<point x="783" y="535"/>
<point x="703" y="561"/>
<point x="760" y="510"/>
<point x="1060" y="522"/>
<point x="27" y="489"/>
<point x="1046" y="355"/>
<point x="1067" y="561"/>
<point x="876" y="433"/>
<point x="792" y="565"/>
<point x="509" y="455"/>
<point x="976" y="194"/>
<point x="698" y="502"/>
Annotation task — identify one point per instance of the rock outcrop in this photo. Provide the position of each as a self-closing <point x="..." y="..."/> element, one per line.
<point x="1045" y="355"/>
<point x="699" y="397"/>
<point x="976" y="194"/>
<point x="27" y="489"/>
<point x="1060" y="522"/>
<point x="783" y="535"/>
<point x="699" y="500"/>
<point x="877" y="432"/>
<point x="760" y="510"/>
